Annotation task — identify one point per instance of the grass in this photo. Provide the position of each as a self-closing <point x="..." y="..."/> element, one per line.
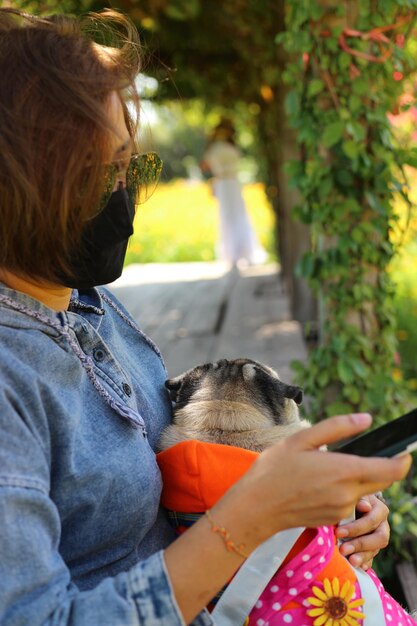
<point x="179" y="223"/>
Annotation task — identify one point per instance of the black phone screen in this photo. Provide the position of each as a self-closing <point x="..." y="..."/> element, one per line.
<point x="391" y="439"/>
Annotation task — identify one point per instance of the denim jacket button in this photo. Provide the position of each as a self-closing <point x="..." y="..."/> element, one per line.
<point x="127" y="389"/>
<point x="99" y="354"/>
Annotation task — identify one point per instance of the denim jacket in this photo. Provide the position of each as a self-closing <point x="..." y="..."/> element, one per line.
<point x="82" y="403"/>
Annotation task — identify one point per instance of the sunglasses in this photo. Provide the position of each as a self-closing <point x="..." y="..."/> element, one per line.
<point x="142" y="176"/>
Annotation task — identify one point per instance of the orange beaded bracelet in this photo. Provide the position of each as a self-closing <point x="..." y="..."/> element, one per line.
<point x="231" y="546"/>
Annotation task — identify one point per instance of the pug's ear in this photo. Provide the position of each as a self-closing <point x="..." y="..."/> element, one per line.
<point x="294" y="393"/>
<point x="249" y="371"/>
<point x="174" y="385"/>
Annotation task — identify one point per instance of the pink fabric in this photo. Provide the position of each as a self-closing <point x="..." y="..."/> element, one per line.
<point x="295" y="580"/>
<point x="394" y="613"/>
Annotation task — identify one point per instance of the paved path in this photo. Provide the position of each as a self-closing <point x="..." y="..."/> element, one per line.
<point x="200" y="312"/>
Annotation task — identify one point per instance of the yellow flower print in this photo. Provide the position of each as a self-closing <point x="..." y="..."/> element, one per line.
<point x="334" y="606"/>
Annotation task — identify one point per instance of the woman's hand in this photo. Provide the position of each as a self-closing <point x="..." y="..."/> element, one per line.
<point x="294" y="483"/>
<point x="364" y="537"/>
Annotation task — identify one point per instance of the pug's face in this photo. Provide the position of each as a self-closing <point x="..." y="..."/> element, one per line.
<point x="241" y="380"/>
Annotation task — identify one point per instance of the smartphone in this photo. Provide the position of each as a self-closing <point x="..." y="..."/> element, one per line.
<point x="392" y="439"/>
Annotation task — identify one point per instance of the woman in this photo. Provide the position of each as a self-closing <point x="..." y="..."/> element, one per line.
<point x="82" y="397"/>
<point x="238" y="243"/>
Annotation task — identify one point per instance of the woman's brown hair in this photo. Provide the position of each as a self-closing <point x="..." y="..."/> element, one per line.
<point x="56" y="76"/>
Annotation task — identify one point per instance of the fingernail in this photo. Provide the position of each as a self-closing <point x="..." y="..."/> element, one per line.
<point x="361" y="418"/>
<point x="364" y="502"/>
<point x="355" y="561"/>
<point x="348" y="548"/>
<point x="342" y="532"/>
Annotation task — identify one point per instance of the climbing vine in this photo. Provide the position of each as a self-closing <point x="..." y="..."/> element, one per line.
<point x="345" y="81"/>
<point x="348" y="63"/>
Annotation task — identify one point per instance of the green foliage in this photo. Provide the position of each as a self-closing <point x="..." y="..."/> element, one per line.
<point x="348" y="173"/>
<point x="403" y="521"/>
<point x="347" y="176"/>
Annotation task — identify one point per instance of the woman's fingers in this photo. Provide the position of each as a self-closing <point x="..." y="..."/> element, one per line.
<point x="294" y="483"/>
<point x="364" y="505"/>
<point x="371" y="543"/>
<point x="371" y="524"/>
<point x="331" y="430"/>
<point x="367" y="535"/>
<point x="362" y="559"/>
<point x="375" y="474"/>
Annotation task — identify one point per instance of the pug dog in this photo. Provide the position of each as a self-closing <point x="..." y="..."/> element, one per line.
<point x="239" y="403"/>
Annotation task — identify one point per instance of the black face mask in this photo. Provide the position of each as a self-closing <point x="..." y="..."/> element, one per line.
<point x="102" y="252"/>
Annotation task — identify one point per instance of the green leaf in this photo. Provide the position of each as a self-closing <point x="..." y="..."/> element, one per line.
<point x="359" y="368"/>
<point x="325" y="187"/>
<point x="333" y="133"/>
<point x="355" y="103"/>
<point x="323" y="378"/>
<point x="293" y="168"/>
<point x="360" y="86"/>
<point x="406" y="507"/>
<point x="411" y="157"/>
<point x="182" y="9"/>
<point x="357" y="131"/>
<point x="353" y="206"/>
<point x="344" y="177"/>
<point x="292" y="103"/>
<point x="352" y="393"/>
<point x="351" y="149"/>
<point x="306" y="266"/>
<point x="412" y="528"/>
<point x="374" y="202"/>
<point x="344" y="372"/>
<point x="344" y="61"/>
<point x="316" y="11"/>
<point x="315" y="87"/>
<point x="396" y="519"/>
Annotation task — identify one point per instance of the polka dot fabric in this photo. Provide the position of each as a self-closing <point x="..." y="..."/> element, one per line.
<point x="394" y="613"/>
<point x="285" y="599"/>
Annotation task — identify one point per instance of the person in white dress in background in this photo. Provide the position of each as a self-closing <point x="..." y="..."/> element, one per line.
<point x="238" y="244"/>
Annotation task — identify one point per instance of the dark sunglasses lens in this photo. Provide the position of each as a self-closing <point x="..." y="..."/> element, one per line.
<point x="142" y="176"/>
